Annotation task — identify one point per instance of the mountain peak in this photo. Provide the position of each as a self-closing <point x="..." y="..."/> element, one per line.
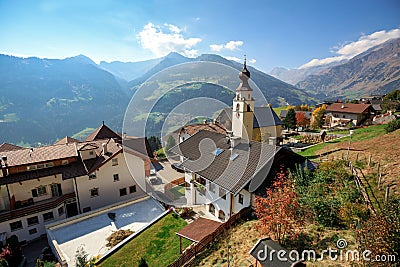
<point x="81" y="59"/>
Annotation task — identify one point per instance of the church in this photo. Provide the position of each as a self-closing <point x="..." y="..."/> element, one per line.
<point x="225" y="171"/>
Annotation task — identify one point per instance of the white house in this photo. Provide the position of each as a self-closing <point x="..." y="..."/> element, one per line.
<point x="44" y="184"/>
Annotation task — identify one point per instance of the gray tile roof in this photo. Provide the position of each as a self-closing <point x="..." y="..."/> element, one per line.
<point x="232" y="175"/>
<point x="264" y="117"/>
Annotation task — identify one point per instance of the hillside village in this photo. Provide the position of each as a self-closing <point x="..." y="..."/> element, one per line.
<point x="74" y="195"/>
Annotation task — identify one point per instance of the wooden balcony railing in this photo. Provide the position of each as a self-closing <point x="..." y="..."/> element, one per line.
<point x="35" y="208"/>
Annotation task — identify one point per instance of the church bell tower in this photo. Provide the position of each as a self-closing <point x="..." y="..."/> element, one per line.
<point x="243" y="107"/>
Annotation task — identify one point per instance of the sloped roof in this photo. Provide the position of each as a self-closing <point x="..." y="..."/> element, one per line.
<point x="212" y="127"/>
<point x="103" y="132"/>
<point x="66" y="140"/>
<point x="137" y="146"/>
<point x="264" y="117"/>
<point x="199" y="229"/>
<point x="8" y="147"/>
<point x="348" y="108"/>
<point x="69" y="171"/>
<point x="232" y="175"/>
<point x="113" y="148"/>
<point x="39" y="154"/>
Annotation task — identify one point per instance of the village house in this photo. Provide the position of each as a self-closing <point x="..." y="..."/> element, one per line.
<point x="49" y="183"/>
<point x="225" y="171"/>
<point x="342" y="114"/>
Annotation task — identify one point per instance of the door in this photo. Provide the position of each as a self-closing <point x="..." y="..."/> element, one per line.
<point x="72" y="209"/>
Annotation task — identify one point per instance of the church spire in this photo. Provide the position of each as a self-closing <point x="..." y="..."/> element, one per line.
<point x="244" y="75"/>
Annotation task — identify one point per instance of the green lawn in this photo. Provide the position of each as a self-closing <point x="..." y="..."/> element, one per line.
<point x="360" y="134"/>
<point x="158" y="245"/>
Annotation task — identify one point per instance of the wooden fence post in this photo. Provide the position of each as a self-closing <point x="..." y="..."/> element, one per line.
<point x="357" y="157"/>
<point x="387" y="194"/>
<point x="369" y="160"/>
<point x="379" y="181"/>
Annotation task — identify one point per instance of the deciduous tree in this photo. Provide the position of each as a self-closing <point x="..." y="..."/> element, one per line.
<point x="278" y="211"/>
<point x="318" y="115"/>
<point x="301" y="120"/>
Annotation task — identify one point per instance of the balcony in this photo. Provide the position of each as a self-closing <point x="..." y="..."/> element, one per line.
<point x="35" y="207"/>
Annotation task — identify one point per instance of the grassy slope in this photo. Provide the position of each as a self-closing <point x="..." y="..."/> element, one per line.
<point x="159" y="245"/>
<point x="359" y="135"/>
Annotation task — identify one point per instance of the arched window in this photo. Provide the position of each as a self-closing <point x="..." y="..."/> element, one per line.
<point x="237" y="106"/>
<point x="211" y="209"/>
<point x="221" y="215"/>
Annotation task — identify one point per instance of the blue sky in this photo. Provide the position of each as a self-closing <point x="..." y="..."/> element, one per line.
<point x="272" y="33"/>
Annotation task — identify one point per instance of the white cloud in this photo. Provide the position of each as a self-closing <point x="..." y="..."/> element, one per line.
<point x="352" y="49"/>
<point x="216" y="48"/>
<point x="234" y="59"/>
<point x="163" y="40"/>
<point x="231" y="45"/>
<point x="252" y="61"/>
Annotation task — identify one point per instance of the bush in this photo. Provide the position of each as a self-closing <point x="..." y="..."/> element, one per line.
<point x="142" y="263"/>
<point x="392" y="126"/>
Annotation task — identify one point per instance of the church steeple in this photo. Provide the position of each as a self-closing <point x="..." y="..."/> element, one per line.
<point x="243" y="106"/>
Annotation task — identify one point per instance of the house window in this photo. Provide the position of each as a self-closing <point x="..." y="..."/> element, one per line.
<point x="115" y="161"/>
<point x="222" y="193"/>
<point x="122" y="192"/>
<point x="49" y="165"/>
<point x="344" y="116"/>
<point x="16" y="225"/>
<point x="32" y="231"/>
<point x="221" y="215"/>
<point x="33" y="220"/>
<point x="86" y="209"/>
<point x="40" y="166"/>
<point x="31" y="167"/>
<point x="92" y="175"/>
<point x="241" y="199"/>
<point x="116" y="177"/>
<point x="94" y="192"/>
<point x="60" y="211"/>
<point x="91" y="153"/>
<point x="211" y="187"/>
<point x="211" y="209"/>
<point x="39" y="191"/>
<point x="48" y="216"/>
<point x="132" y="189"/>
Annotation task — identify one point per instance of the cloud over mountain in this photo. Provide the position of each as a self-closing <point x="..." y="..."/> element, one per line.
<point x="352" y="49"/>
<point x="161" y="40"/>
<point x="231" y="45"/>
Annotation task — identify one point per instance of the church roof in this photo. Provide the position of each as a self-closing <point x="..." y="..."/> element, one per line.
<point x="103" y="132"/>
<point x="264" y="117"/>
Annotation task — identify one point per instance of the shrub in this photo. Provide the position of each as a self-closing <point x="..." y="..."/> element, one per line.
<point x="142" y="263"/>
<point x="392" y="126"/>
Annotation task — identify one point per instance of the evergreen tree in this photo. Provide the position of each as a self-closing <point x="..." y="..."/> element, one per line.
<point x="290" y="119"/>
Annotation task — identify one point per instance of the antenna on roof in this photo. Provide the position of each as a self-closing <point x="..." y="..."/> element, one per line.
<point x="103" y="123"/>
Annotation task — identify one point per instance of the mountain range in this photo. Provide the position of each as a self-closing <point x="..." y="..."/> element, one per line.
<point x="375" y="71"/>
<point x="42" y="100"/>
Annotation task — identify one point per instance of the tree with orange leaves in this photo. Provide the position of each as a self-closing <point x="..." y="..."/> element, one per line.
<point x="278" y="211"/>
<point x="301" y="120"/>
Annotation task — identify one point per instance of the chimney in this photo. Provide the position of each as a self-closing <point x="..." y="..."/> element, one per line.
<point x="342" y="106"/>
<point x="235" y="140"/>
<point x="104" y="146"/>
<point x="4" y="159"/>
<point x="205" y="121"/>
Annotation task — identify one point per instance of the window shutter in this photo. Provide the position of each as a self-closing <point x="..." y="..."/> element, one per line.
<point x="34" y="193"/>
